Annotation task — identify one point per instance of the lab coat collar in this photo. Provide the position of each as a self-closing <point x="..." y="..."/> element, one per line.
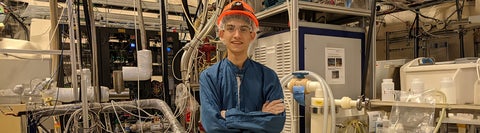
<point x="246" y="65"/>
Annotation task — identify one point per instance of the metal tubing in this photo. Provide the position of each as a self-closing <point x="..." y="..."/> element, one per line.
<point x="460" y="29"/>
<point x="93" y="34"/>
<point x="143" y="36"/>
<point x="373" y="61"/>
<point x="163" y="34"/>
<point x="368" y="47"/>
<point x="74" y="66"/>
<point x="76" y="17"/>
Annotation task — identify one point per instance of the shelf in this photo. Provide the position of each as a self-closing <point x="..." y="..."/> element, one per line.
<point x="28" y="51"/>
<point x="304" y="5"/>
<point x="458" y="121"/>
<point x="377" y="103"/>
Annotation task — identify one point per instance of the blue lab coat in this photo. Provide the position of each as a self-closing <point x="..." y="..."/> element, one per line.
<point x="219" y="91"/>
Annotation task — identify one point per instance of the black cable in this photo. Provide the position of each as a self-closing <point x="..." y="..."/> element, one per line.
<point x="411" y="28"/>
<point x="88" y="23"/>
<point x="187" y="16"/>
<point x="199" y="7"/>
<point x="461" y="8"/>
<point x="7" y="29"/>
<point x="16" y="18"/>
<point x="460" y="29"/>
<point x="58" y="88"/>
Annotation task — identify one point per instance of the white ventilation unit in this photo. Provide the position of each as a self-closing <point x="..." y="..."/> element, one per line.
<point x="275" y="52"/>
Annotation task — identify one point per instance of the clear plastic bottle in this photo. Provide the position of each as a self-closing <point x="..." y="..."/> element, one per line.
<point x="379" y="125"/>
<point x="386" y="124"/>
<point x="388" y="89"/>
<point x="417" y="86"/>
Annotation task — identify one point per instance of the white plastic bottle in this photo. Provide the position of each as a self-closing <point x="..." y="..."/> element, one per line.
<point x="448" y="88"/>
<point x="387" y="90"/>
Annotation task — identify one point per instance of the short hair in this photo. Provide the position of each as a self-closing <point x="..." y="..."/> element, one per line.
<point x="244" y="18"/>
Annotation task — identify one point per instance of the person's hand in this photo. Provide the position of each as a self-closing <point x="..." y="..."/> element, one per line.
<point x="222" y="113"/>
<point x="275" y="107"/>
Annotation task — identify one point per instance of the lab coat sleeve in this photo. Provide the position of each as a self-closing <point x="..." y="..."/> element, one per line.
<point x="258" y="121"/>
<point x="255" y="121"/>
<point x="211" y="118"/>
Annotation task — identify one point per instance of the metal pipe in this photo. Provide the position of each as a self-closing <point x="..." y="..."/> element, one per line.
<point x="294" y="25"/>
<point x="371" y="74"/>
<point x="118" y="81"/>
<point x="387" y="47"/>
<point x="370" y="42"/>
<point x="78" y="37"/>
<point x="460" y="28"/>
<point x="163" y="34"/>
<point x="74" y="66"/>
<point x="106" y="107"/>
<point x="54" y="37"/>
<point x="93" y="37"/>
<point x="293" y="14"/>
<point x="417" y="32"/>
<point x="143" y="35"/>
<point x="475" y="43"/>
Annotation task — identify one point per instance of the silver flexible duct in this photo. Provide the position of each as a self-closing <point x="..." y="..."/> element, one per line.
<point x="144" y="104"/>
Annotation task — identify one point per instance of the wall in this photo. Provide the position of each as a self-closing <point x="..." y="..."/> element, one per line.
<point x="402" y="21"/>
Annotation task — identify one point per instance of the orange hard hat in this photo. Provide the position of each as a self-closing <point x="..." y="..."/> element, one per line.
<point x="238" y="7"/>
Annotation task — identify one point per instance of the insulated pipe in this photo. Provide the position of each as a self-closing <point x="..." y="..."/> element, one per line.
<point x="143" y="34"/>
<point x="144" y="104"/>
<point x="284" y="81"/>
<point x="143" y="71"/>
<point x="54" y="37"/>
<point x="326" y="95"/>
